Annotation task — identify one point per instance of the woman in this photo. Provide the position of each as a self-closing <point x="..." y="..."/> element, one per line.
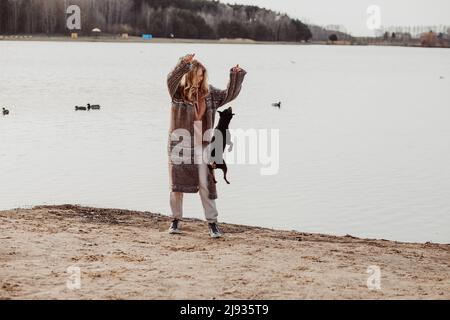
<point x="194" y="106"/>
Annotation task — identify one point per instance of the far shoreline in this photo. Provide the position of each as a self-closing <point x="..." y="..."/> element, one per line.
<point x="135" y="39"/>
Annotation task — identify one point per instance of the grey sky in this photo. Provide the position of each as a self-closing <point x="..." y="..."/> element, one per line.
<point x="352" y="13"/>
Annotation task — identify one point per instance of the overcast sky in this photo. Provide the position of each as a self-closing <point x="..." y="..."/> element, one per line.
<point x="352" y="13"/>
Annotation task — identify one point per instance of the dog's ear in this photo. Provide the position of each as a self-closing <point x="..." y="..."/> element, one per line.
<point x="220" y="112"/>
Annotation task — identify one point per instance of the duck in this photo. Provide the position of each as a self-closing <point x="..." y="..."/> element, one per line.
<point x="277" y="104"/>
<point x="93" y="107"/>
<point x="5" y="112"/>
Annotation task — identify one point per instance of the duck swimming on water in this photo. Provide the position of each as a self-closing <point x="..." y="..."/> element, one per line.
<point x="277" y="104"/>
<point x="93" y="107"/>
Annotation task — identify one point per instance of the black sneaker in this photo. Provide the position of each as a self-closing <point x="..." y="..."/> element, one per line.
<point x="214" y="231"/>
<point x="175" y="227"/>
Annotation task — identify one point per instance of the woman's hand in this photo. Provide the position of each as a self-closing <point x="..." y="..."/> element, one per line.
<point x="236" y="69"/>
<point x="188" y="57"/>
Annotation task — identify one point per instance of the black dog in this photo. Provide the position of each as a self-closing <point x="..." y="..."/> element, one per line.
<point x="220" y="144"/>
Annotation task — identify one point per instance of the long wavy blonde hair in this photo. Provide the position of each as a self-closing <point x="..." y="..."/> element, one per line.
<point x="188" y="88"/>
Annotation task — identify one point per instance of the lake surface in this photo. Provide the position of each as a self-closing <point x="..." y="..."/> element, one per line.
<point x="364" y="133"/>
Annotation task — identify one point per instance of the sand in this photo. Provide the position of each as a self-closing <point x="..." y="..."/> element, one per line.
<point x="129" y="255"/>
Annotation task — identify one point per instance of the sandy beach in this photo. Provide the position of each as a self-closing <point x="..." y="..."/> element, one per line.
<point x="129" y="255"/>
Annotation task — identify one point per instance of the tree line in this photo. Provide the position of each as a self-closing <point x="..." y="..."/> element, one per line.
<point x="199" y="19"/>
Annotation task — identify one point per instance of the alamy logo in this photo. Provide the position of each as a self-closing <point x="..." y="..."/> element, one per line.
<point x="73" y="18"/>
<point x="374" y="19"/>
<point x="250" y="146"/>
<point x="74" y="280"/>
<point x="374" y="280"/>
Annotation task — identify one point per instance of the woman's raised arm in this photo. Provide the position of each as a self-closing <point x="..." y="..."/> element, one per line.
<point x="233" y="88"/>
<point x="183" y="66"/>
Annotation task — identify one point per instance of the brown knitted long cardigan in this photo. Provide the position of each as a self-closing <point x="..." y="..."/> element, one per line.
<point x="183" y="177"/>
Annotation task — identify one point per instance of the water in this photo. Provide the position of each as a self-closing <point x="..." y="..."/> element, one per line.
<point x="364" y="133"/>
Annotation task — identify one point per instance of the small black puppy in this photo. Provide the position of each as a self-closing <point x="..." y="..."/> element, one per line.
<point x="220" y="144"/>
